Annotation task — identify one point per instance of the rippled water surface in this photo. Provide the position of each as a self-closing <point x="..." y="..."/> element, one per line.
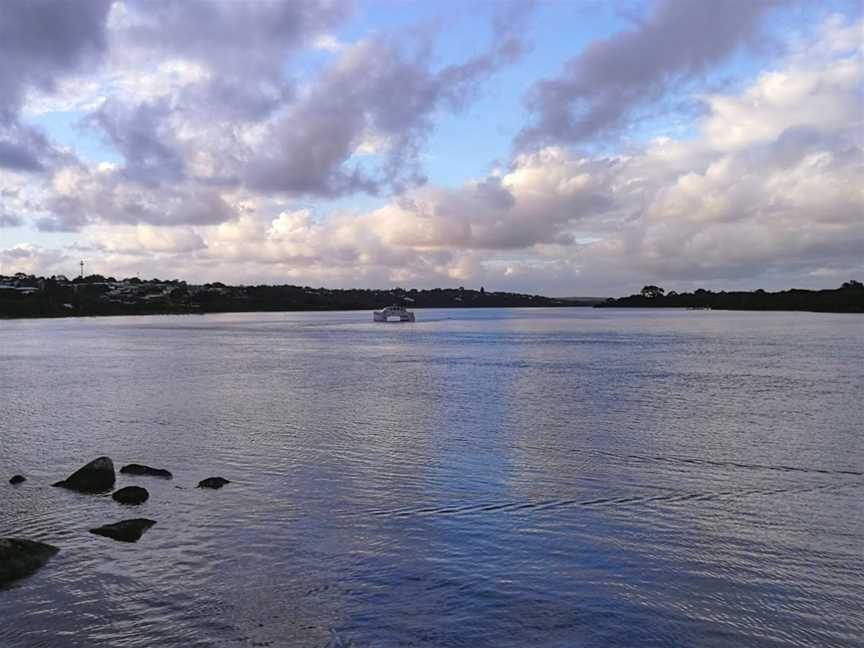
<point x="499" y="478"/>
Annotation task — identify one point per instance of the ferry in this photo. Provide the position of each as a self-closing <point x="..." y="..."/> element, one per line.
<point x="397" y="313"/>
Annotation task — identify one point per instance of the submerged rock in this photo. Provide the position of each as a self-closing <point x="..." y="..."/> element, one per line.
<point x="19" y="557"/>
<point x="213" y="482"/>
<point x="17" y="479"/>
<point x="126" y="530"/>
<point x="140" y="469"/>
<point x="96" y="477"/>
<point x="131" y="495"/>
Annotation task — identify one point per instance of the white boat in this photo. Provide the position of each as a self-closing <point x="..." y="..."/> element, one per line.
<point x="397" y="313"/>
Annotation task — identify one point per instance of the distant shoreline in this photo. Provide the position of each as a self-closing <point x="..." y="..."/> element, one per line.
<point x="318" y="309"/>
<point x="849" y="298"/>
<point x="26" y="296"/>
<point x="55" y="316"/>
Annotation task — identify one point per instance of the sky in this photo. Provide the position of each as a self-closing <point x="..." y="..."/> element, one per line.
<point x="577" y="147"/>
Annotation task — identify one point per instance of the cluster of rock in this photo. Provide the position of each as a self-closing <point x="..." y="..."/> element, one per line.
<point x="20" y="557"/>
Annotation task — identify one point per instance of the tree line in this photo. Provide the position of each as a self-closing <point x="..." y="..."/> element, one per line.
<point x="848" y="298"/>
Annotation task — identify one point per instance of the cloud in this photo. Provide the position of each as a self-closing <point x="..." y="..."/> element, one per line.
<point x="10" y="220"/>
<point x="431" y="231"/>
<point x="144" y="240"/>
<point x="193" y="125"/>
<point x="743" y="216"/>
<point x="42" y="41"/>
<point x="375" y="90"/>
<point x="598" y="89"/>
<point x="535" y="202"/>
<point x="782" y="100"/>
<point x="34" y="58"/>
<point x="328" y="43"/>
<point x="198" y="104"/>
<point x="782" y="198"/>
<point x="238" y="49"/>
<point x="20" y="149"/>
<point x="235" y="38"/>
<point x="33" y="259"/>
<point x="142" y="134"/>
<point x="380" y="96"/>
<point x="80" y="196"/>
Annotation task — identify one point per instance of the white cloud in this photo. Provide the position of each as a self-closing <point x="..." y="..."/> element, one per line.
<point x="328" y="43"/>
<point x="33" y="259"/>
<point x="821" y="95"/>
<point x="144" y="240"/>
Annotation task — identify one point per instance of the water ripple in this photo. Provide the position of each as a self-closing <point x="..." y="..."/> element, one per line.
<point x="484" y="479"/>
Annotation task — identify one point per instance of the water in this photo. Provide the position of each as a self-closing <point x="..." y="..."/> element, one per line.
<point x="517" y="478"/>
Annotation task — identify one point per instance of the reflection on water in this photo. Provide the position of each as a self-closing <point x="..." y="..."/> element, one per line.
<point x="479" y="478"/>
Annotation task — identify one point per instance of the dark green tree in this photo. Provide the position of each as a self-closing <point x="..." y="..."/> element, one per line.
<point x="652" y="292"/>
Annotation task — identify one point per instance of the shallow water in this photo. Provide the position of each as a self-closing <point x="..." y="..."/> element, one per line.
<point x="480" y="478"/>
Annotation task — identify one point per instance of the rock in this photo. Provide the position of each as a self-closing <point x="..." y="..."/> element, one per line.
<point x="126" y="530"/>
<point x="17" y="479"/>
<point x="139" y="469"/>
<point x="19" y="557"/>
<point x="131" y="495"/>
<point x="213" y="482"/>
<point x="96" y="477"/>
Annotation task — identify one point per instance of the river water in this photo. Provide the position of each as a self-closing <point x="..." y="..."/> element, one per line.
<point x="549" y="478"/>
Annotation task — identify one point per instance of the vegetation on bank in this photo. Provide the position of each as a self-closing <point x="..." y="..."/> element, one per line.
<point x="28" y="296"/>
<point x="849" y="298"/>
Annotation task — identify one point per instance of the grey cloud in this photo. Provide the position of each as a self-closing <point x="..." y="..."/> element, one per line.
<point x="600" y="87"/>
<point x="112" y="197"/>
<point x="66" y="222"/>
<point x="10" y="220"/>
<point x="385" y="91"/>
<point x="492" y="192"/>
<point x="795" y="142"/>
<point x="27" y="149"/>
<point x="244" y="44"/>
<point x="244" y="37"/>
<point x="235" y="98"/>
<point x="377" y="89"/>
<point x="18" y="156"/>
<point x="142" y="134"/>
<point x="18" y="253"/>
<point x="42" y="40"/>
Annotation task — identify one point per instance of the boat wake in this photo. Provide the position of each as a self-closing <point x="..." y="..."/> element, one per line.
<point x="668" y="498"/>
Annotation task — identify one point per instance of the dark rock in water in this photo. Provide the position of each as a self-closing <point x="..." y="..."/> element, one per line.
<point x="131" y="495"/>
<point x="17" y="479"/>
<point x="96" y="477"/>
<point x="139" y="469"/>
<point x="19" y="558"/>
<point x="213" y="482"/>
<point x="125" y="531"/>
